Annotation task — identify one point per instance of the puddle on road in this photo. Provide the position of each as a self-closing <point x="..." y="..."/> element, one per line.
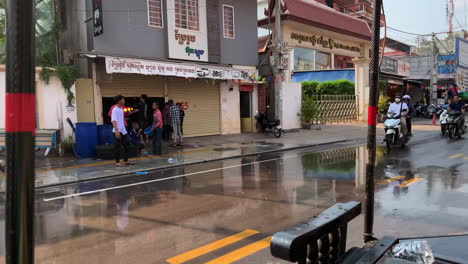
<point x="265" y="192"/>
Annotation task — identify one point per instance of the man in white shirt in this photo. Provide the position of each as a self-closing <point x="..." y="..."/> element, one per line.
<point x="121" y="141"/>
<point x="400" y="109"/>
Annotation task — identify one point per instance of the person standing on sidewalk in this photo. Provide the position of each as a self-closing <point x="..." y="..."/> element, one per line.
<point x="167" y="129"/>
<point x="121" y="141"/>
<point x="182" y="116"/>
<point x="175" y="118"/>
<point x="144" y="113"/>
<point x="157" y="128"/>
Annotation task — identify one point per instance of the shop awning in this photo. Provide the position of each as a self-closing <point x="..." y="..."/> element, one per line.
<point x="117" y="64"/>
<point x="321" y="16"/>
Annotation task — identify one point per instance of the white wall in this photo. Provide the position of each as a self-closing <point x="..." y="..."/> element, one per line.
<point x="52" y="111"/>
<point x="230" y="111"/>
<point x="292" y="99"/>
<point x="362" y="87"/>
<point x="51" y="102"/>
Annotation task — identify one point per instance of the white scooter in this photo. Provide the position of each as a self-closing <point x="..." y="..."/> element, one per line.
<point x="393" y="130"/>
<point x="443" y="121"/>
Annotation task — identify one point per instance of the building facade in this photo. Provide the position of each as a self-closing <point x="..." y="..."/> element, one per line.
<point x="200" y="53"/>
<point x="318" y="38"/>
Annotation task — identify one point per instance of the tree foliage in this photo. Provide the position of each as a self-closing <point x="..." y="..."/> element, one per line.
<point x="2" y="31"/>
<point x="47" y="31"/>
<point x="338" y="87"/>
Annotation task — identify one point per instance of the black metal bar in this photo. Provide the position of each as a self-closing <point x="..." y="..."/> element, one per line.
<point x="299" y="242"/>
<point x="20" y="125"/>
<point x="371" y="138"/>
<point x="374" y="254"/>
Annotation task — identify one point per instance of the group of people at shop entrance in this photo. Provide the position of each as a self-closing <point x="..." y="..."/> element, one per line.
<point x="156" y="124"/>
<point x="403" y="108"/>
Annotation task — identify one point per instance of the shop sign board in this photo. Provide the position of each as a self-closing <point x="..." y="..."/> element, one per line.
<point x="389" y="65"/>
<point x="246" y="88"/>
<point x="146" y="67"/>
<point x="461" y="53"/>
<point x="322" y="43"/>
<point x="97" y="18"/>
<point x="462" y="80"/>
<point x="186" y="44"/>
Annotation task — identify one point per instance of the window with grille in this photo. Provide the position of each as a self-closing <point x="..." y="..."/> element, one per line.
<point x="186" y="14"/>
<point x="155" y="13"/>
<point x="228" y="21"/>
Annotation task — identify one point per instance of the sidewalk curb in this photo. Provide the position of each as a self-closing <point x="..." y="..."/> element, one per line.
<point x="192" y="163"/>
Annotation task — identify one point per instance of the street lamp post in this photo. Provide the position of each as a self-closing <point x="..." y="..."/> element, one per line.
<point x="20" y="118"/>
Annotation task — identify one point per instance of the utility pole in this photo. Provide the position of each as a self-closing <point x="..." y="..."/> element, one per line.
<point x="435" y="52"/>
<point x="372" y="123"/>
<point x="277" y="67"/>
<point x="20" y="126"/>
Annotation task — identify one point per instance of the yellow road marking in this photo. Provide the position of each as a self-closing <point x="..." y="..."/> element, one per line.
<point x="242" y="252"/>
<point x="409" y="182"/>
<point x="466" y="158"/>
<point x="456" y="156"/>
<point x="211" y="247"/>
<point x="387" y="181"/>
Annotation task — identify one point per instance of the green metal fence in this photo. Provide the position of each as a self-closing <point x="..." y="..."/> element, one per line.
<point x="335" y="109"/>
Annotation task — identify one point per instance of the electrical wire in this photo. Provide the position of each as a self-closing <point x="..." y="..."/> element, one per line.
<point x="385" y="36"/>
<point x="458" y="21"/>
<point x="395" y="29"/>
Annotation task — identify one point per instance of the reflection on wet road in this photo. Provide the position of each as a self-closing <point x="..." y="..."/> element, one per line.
<point x="226" y="211"/>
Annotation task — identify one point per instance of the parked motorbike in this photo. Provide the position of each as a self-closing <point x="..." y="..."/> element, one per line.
<point x="421" y="109"/>
<point x="266" y="126"/>
<point x="430" y="111"/>
<point x="454" y="131"/>
<point x="393" y="130"/>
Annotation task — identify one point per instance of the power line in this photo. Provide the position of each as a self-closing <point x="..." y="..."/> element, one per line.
<point x="458" y="21"/>
<point x="395" y="29"/>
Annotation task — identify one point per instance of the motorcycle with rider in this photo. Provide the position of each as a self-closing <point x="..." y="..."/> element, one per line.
<point x="456" y="118"/>
<point x="396" y="130"/>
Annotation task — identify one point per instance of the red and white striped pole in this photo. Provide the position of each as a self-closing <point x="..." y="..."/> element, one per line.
<point x="20" y="120"/>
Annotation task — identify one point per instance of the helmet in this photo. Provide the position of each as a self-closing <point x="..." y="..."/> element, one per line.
<point x="407" y="97"/>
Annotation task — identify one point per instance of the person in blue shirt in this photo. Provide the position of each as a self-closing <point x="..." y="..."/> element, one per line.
<point x="136" y="136"/>
<point x="458" y="105"/>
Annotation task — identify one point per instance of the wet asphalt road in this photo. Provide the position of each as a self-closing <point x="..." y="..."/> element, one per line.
<point x="225" y="211"/>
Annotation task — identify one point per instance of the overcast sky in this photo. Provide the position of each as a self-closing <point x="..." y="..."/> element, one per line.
<point x="421" y="17"/>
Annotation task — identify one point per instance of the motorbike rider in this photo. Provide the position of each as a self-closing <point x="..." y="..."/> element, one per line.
<point x="266" y="119"/>
<point x="411" y="113"/>
<point x="458" y="105"/>
<point x="400" y="108"/>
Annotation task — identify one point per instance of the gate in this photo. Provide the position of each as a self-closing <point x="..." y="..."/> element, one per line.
<point x="335" y="108"/>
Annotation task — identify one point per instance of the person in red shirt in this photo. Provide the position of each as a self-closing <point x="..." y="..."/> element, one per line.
<point x="157" y="128"/>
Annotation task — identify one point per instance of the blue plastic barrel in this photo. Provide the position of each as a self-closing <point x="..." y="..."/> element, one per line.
<point x="86" y="139"/>
<point x="105" y="135"/>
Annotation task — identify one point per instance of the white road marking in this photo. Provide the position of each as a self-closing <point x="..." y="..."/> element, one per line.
<point x="164" y="179"/>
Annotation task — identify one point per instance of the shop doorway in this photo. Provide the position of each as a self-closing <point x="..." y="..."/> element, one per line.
<point x="245" y="113"/>
<point x="246" y="107"/>
<point x="108" y="102"/>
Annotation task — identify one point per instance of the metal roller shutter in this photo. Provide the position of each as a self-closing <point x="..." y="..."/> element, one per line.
<point x="131" y="85"/>
<point x="202" y="117"/>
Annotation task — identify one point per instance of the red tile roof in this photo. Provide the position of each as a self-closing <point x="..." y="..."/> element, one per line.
<point x="262" y="43"/>
<point x="321" y="16"/>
